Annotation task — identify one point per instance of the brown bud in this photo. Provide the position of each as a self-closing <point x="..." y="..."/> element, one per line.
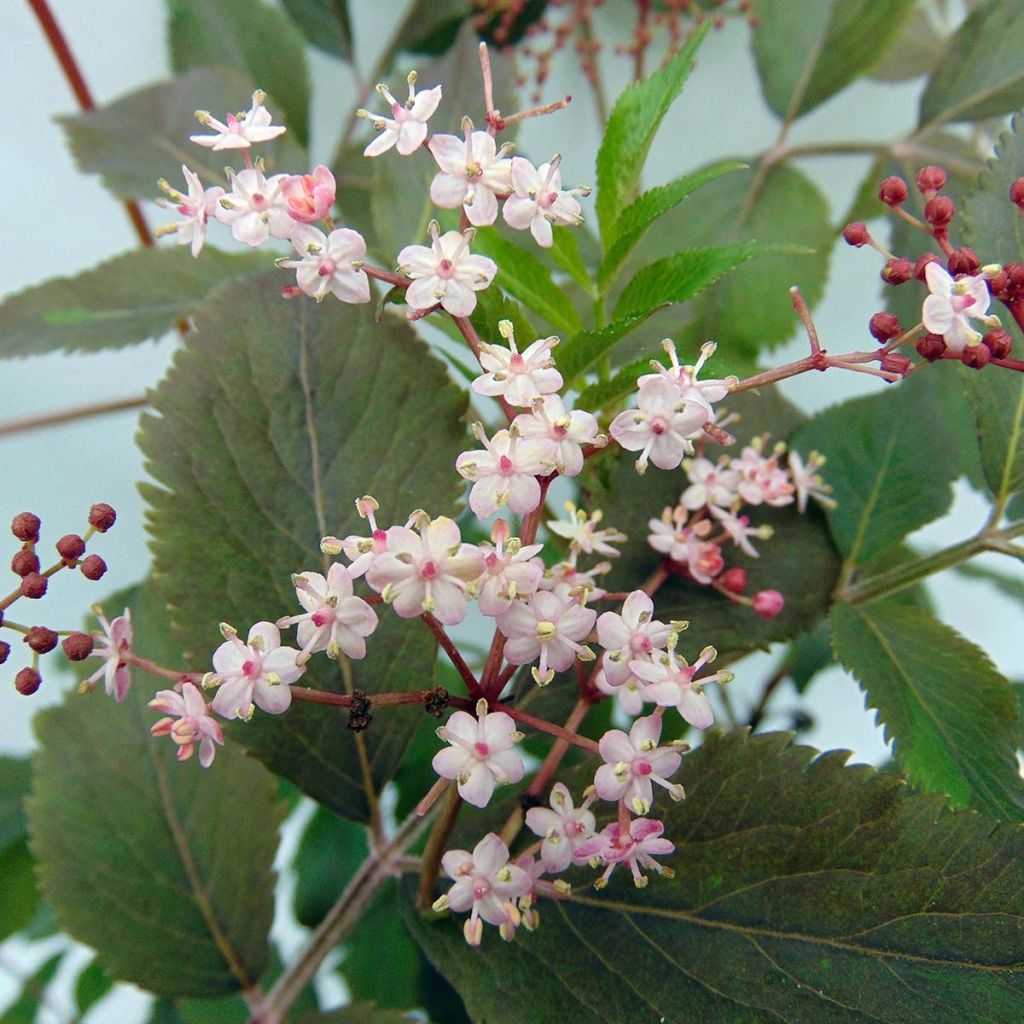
<point x="975" y="356"/>
<point x="359" y="717"/>
<point x="435" y="701"/>
<point x="102" y="517"/>
<point x="25" y="562"/>
<point x="922" y="262"/>
<point x="939" y="211"/>
<point x="963" y="261"/>
<point x="930" y="179"/>
<point x="1017" y="193"/>
<point x="734" y="580"/>
<point x="893" y="191"/>
<point x="25" y="526"/>
<point x="856" y="234"/>
<point x="896" y="362"/>
<point x="93" y="567"/>
<point x="77" y="646"/>
<point x="71" y="547"/>
<point x="931" y="347"/>
<point x="33" y="585"/>
<point x="897" y="271"/>
<point x="27" y="681"/>
<point x="41" y="639"/>
<point x="884" y="326"/>
<point x="999" y="285"/>
<point x="5" y="650"/>
<point x="1015" y="272"/>
<point x="999" y="343"/>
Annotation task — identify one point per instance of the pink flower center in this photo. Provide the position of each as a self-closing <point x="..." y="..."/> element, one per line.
<point x="380" y="541"/>
<point x="481" y="887"/>
<point x="322" y="616"/>
<point x="640" y="643"/>
<point x="574" y="828"/>
<point x="258" y="200"/>
<point x="547" y="199"/>
<point x="962" y="302"/>
<point x="481" y="749"/>
<point x="659" y="425"/>
<point x="642" y="768"/>
<point x="505" y="466"/>
<point x="251" y="669"/>
<point x="516" y="364"/>
<point x="492" y="562"/>
<point x="446" y="269"/>
<point x="327" y="268"/>
<point x="428" y="570"/>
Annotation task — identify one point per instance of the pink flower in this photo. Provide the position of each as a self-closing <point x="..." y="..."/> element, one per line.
<point x="807" y="481"/>
<point x="637" y="847"/>
<point x="671" y="684"/>
<point x="407" y="127"/>
<point x="334" y="620"/>
<point x="583" y="533"/>
<point x="761" y="479"/>
<point x="480" y="754"/>
<point x="630" y="635"/>
<point x="568" y="431"/>
<point x="255" y="209"/>
<point x="661" y="427"/>
<point x="567" y="580"/>
<point x="487" y="884"/>
<point x="565" y="828"/>
<point x="446" y="273"/>
<point x="539" y="200"/>
<point x="241" y="130"/>
<point x="711" y="483"/>
<point x="195" y="209"/>
<point x="194" y="724"/>
<point x="473" y="173"/>
<point x="953" y="304"/>
<point x="519" y="378"/>
<point x="684" y="378"/>
<point x="633" y="762"/>
<point x="427" y="571"/>
<point x="510" y="571"/>
<point x="361" y="551"/>
<point x="309" y="197"/>
<point x="505" y="472"/>
<point x="740" y="531"/>
<point x="685" y="544"/>
<point x="548" y="627"/>
<point x="114" y="647"/>
<point x="630" y="695"/>
<point x="259" y="671"/>
<point x="329" y="263"/>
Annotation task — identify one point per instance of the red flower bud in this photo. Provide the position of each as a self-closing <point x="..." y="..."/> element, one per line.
<point x="768" y="603"/>
<point x="930" y="179"/>
<point x="922" y="261"/>
<point x="897" y="271"/>
<point x="25" y="526"/>
<point x="41" y="639"/>
<point x="71" y="547"/>
<point x="25" y="562"/>
<point x="963" y="261"/>
<point x="896" y="362"/>
<point x="999" y="343"/>
<point x="976" y="356"/>
<point x="734" y="580"/>
<point x="5" y="650"/>
<point x="77" y="646"/>
<point x="102" y="517"/>
<point x="1017" y="193"/>
<point x="931" y="346"/>
<point x="27" y="681"/>
<point x="939" y="211"/>
<point x="93" y="567"/>
<point x="893" y="191"/>
<point x="33" y="585"/>
<point x="884" y="326"/>
<point x="856" y="234"/>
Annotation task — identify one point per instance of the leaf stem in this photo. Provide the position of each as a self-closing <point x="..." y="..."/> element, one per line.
<point x="69" y="415"/>
<point x="435" y="848"/>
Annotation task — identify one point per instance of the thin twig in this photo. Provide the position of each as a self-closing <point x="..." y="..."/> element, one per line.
<point x="77" y="412"/>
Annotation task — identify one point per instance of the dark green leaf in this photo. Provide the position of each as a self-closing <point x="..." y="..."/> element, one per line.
<point x="492" y="307"/>
<point x="808" y="655"/>
<point x="630" y="131"/>
<point x="806" y="892"/>
<point x="524" y="276"/>
<point x="143" y="136"/>
<point x="25" y="1008"/>
<point x="252" y="37"/>
<point x="991" y="223"/>
<point x="808" y="50"/>
<point x="15" y="774"/>
<point x="19" y="896"/>
<point x="951" y="716"/>
<point x="151" y="856"/>
<point x="128" y="299"/>
<point x="329" y="855"/>
<point x="325" y="23"/>
<point x="92" y="985"/>
<point x="982" y="72"/>
<point x="645" y="211"/>
<point x="885" y="478"/>
<point x="359" y="1013"/>
<point x="998" y="401"/>
<point x="431" y="26"/>
<point x="565" y="253"/>
<point x="289" y="411"/>
<point x="583" y="350"/>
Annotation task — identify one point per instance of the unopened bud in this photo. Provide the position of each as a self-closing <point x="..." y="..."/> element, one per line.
<point x="71" y="547"/>
<point x="27" y="681"/>
<point x="897" y="271"/>
<point x="884" y="326"/>
<point x="5" y="650"/>
<point x="893" y="191"/>
<point x="922" y="264"/>
<point x="975" y="356"/>
<point x="41" y="639"/>
<point x="963" y="261"/>
<point x="1015" y="272"/>
<point x="856" y="234"/>
<point x="939" y="211"/>
<point x="33" y="585"/>
<point x="896" y="362"/>
<point x="734" y="580"/>
<point x="930" y="179"/>
<point x="768" y="603"/>
<point x="931" y="347"/>
<point x="93" y="567"/>
<point x="999" y="343"/>
<point x="25" y="526"/>
<point x="102" y="517"/>
<point x="1017" y="193"/>
<point x="77" y="646"/>
<point x="25" y="562"/>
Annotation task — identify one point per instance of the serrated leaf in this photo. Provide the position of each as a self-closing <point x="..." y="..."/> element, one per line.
<point x="808" y="50"/>
<point x="998" y="403"/>
<point x="143" y="136"/>
<point x="15" y="774"/>
<point x="991" y="223"/>
<point x="631" y="128"/>
<point x="808" y="655"/>
<point x="982" y="72"/>
<point x="645" y="211"/>
<point x="806" y="891"/>
<point x="950" y="715"/>
<point x="127" y="299"/>
<point x="582" y="351"/>
<point x="289" y="411"/>
<point x="153" y="856"/>
<point x="885" y="478"/>
<point x="325" y="23"/>
<point x="493" y="306"/>
<point x="525" y="277"/>
<point x="565" y="253"/>
<point x="251" y="36"/>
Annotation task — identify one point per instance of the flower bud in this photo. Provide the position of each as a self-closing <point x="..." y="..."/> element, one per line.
<point x="25" y="526"/>
<point x="33" y="585"/>
<point x="41" y="639"/>
<point x="999" y="343"/>
<point x="963" y="261"/>
<point x="922" y="262"/>
<point x="884" y="326"/>
<point x="102" y="517"/>
<point x="5" y="650"/>
<point x="25" y="562"/>
<point x="93" y="567"/>
<point x="975" y="356"/>
<point x="897" y="271"/>
<point x="1015" y="272"/>
<point x="768" y="603"/>
<point x="1017" y="193"/>
<point x="893" y="191"/>
<point x="77" y="646"/>
<point x="734" y="580"/>
<point x="309" y="197"/>
<point x="856" y="234"/>
<point x="939" y="211"/>
<point x="27" y="681"/>
<point x="931" y="347"/>
<point x="896" y="362"/>
<point x="930" y="179"/>
<point x="71" y="547"/>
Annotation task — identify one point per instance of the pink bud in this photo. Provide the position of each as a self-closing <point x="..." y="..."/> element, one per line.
<point x="734" y="580"/>
<point x="768" y="603"/>
<point x="309" y="197"/>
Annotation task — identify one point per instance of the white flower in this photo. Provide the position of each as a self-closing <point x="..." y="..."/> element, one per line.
<point x="633" y="762"/>
<point x="195" y="724"/>
<point x="564" y="827"/>
<point x="705" y="392"/>
<point x="549" y="627"/>
<point x="685" y="544"/>
<point x="761" y="479"/>
<point x="510" y="571"/>
<point x="255" y="208"/>
<point x="407" y="127"/>
<point x="808" y="481"/>
<point x="671" y="684"/>
<point x="505" y="472"/>
<point x="242" y="130"/>
<point x="446" y="273"/>
<point x="568" y="431"/>
<point x="711" y="483"/>
<point x="662" y="426"/>
<point x="195" y="209"/>
<point x="116" y="641"/>
<point x="259" y="671"/>
<point x="539" y="200"/>
<point x="473" y="174"/>
<point x="629" y="636"/>
<point x="740" y="531"/>
<point x="951" y="306"/>
<point x="582" y="532"/>
<point x="329" y="263"/>
<point x="519" y="378"/>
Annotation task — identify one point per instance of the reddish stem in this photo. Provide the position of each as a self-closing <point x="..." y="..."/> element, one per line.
<point x="468" y="332"/>
<point x="435" y="627"/>
<point x="385" y="275"/>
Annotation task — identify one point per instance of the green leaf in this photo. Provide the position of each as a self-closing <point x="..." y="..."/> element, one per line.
<point x="254" y="38"/>
<point x="808" y="50"/>
<point x="143" y="136"/>
<point x="805" y="891"/>
<point x="998" y="402"/>
<point x="330" y="853"/>
<point x="982" y="72"/>
<point x="583" y="350"/>
<point x="493" y="306"/>
<point x="92" y="985"/>
<point x="325" y="23"/>
<point x="431" y="26"/>
<point x="950" y="715"/>
<point x="15" y="774"/>
<point x="359" y="1013"/>
<point x="630" y="131"/>
<point x="565" y="253"/>
<point x="151" y="856"/>
<point x="885" y="479"/>
<point x="914" y="52"/>
<point x="645" y="211"/>
<point x="19" y="897"/>
<point x="128" y="299"/>
<point x="25" y="1008"/>
<point x="289" y="411"/>
<point x="990" y="221"/>
<point x="629" y="502"/>
<point x="808" y="655"/>
<point x="524" y="276"/>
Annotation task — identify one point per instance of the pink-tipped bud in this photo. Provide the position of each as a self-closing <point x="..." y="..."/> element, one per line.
<point x="884" y="327"/>
<point x="41" y="639"/>
<point x="93" y="567"/>
<point x="963" y="261"/>
<point x="930" y="179"/>
<point x="893" y="191"/>
<point x="897" y="271"/>
<point x="309" y="197"/>
<point x="931" y="347"/>
<point x="975" y="356"/>
<point x="291" y="291"/>
<point x="999" y="343"/>
<point x="77" y="646"/>
<point x="102" y="517"/>
<point x="25" y="526"/>
<point x="939" y="211"/>
<point x="1017" y="193"/>
<point x="768" y="603"/>
<point x="27" y="681"/>
<point x="25" y="562"/>
<point x="33" y="585"/>
<point x="856" y="234"/>
<point x="71" y="547"/>
<point x="921" y="266"/>
<point x="734" y="580"/>
<point x="896" y="362"/>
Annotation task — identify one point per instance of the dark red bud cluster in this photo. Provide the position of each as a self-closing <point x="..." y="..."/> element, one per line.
<point x="734" y="580"/>
<point x="102" y="517"/>
<point x="33" y="585"/>
<point x="1008" y="284"/>
<point x="24" y="562"/>
<point x="963" y="261"/>
<point x="25" y="526"/>
<point x="893" y="191"/>
<point x="77" y="646"/>
<point x="975" y="356"/>
<point x="930" y="180"/>
<point x="922" y="262"/>
<point x="939" y="211"/>
<point x="896" y="362"/>
<point x="93" y="567"/>
<point x="70" y="547"/>
<point x="27" y="681"/>
<point x="931" y="347"/>
<point x="41" y="639"/>
<point x="884" y="327"/>
<point x="999" y="343"/>
<point x="5" y="650"/>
